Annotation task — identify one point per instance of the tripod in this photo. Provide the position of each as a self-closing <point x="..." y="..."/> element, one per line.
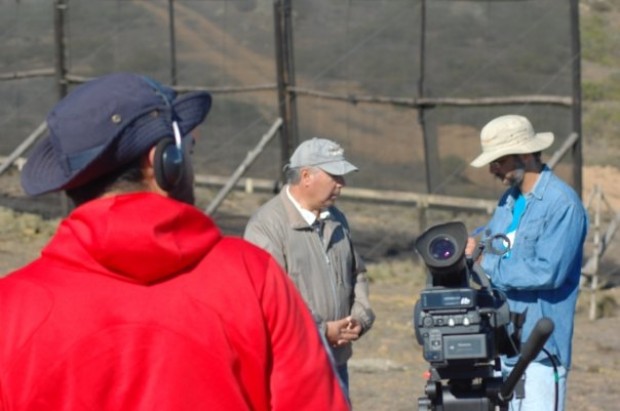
<point x="476" y="388"/>
<point x="473" y="388"/>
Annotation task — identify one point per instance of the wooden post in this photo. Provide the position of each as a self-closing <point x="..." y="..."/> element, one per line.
<point x="422" y="216"/>
<point x="599" y="247"/>
<point x="286" y="77"/>
<point x="25" y="145"/>
<point x="576" y="53"/>
<point x="289" y="59"/>
<point x="595" y="256"/>
<point x="559" y="153"/>
<point x="173" y="53"/>
<point x="249" y="159"/>
<point x="60" y="7"/>
<point x="431" y="157"/>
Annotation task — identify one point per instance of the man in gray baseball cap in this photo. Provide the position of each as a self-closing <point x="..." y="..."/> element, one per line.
<point x="310" y="238"/>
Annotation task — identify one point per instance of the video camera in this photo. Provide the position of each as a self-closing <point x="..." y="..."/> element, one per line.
<point x="464" y="325"/>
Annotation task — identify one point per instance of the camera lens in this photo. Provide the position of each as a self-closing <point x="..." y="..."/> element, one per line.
<point x="442" y="248"/>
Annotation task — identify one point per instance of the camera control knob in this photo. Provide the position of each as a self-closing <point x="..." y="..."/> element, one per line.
<point x="428" y="321"/>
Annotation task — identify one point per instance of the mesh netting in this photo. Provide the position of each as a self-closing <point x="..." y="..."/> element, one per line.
<point x="359" y="66"/>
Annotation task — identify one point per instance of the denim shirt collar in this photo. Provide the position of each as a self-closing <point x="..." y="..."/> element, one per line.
<point x="541" y="184"/>
<point x="537" y="191"/>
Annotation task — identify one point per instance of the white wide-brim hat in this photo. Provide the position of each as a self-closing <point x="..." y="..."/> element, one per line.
<point x="510" y="134"/>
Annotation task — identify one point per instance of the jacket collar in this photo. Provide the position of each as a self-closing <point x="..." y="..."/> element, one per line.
<point x="297" y="220"/>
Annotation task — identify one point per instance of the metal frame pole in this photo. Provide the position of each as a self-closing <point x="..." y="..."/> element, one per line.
<point x="576" y="53"/>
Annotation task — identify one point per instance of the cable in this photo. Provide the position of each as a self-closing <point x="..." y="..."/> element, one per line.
<point x="556" y="377"/>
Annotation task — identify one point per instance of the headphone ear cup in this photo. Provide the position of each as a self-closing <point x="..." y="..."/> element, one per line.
<point x="168" y="164"/>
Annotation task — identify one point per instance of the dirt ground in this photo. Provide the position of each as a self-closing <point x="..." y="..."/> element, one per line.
<point x="387" y="369"/>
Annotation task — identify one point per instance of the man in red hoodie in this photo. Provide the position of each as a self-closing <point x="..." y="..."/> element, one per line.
<point x="138" y="302"/>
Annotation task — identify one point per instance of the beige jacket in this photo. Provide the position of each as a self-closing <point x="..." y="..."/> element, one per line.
<point x="326" y="269"/>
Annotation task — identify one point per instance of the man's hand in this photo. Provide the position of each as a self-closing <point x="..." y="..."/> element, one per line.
<point x="470" y="247"/>
<point x="344" y="331"/>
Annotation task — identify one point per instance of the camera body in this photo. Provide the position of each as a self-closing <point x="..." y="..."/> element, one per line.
<point x="454" y="322"/>
<point x="464" y="325"/>
<point x="453" y="326"/>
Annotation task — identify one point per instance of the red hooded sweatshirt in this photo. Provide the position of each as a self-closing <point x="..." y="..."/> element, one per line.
<point x="139" y="303"/>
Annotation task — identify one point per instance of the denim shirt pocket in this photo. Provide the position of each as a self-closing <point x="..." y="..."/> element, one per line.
<point x="527" y="237"/>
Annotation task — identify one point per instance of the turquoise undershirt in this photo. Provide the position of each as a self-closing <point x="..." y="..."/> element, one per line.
<point x="517" y="212"/>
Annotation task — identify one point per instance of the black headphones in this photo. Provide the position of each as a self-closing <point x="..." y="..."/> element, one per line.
<point x="168" y="162"/>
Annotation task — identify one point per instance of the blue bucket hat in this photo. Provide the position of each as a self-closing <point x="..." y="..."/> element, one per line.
<point x="105" y="124"/>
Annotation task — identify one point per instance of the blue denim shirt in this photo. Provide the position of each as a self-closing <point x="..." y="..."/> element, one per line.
<point x="541" y="274"/>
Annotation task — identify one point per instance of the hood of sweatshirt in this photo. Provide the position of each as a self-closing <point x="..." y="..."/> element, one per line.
<point x="139" y="237"/>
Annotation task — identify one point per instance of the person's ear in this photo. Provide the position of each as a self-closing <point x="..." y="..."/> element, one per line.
<point x="528" y="160"/>
<point x="305" y="174"/>
<point x="148" y="171"/>
<point x="148" y="163"/>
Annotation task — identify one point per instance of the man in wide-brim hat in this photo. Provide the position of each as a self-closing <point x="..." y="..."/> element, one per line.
<point x="546" y="224"/>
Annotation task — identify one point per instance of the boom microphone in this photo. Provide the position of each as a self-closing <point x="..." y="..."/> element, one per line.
<point x="534" y="344"/>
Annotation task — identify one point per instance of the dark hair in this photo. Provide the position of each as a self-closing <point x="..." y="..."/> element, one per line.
<point x="125" y="179"/>
<point x="292" y="175"/>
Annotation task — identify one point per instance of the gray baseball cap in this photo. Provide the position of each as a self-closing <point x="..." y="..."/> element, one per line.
<point x="322" y="153"/>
